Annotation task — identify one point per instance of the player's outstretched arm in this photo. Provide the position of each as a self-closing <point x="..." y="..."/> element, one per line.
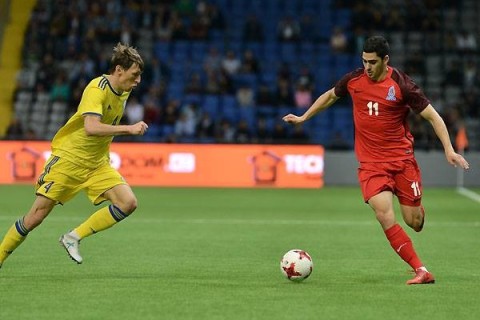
<point x="323" y="102"/>
<point x="94" y="127"/>
<point x="455" y="159"/>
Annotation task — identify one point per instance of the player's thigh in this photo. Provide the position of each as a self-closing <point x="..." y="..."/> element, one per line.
<point x="374" y="179"/>
<point x="100" y="181"/>
<point x="409" y="185"/>
<point x="60" y="180"/>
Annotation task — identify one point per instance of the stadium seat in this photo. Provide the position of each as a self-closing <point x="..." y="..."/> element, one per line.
<point x="211" y="105"/>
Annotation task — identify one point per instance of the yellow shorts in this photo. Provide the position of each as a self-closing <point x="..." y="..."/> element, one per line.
<point x="61" y="180"/>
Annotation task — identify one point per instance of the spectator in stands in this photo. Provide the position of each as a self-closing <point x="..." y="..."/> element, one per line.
<point x="147" y="15"/>
<point x="153" y="96"/>
<point x="306" y="78"/>
<point x="253" y="29"/>
<point x="135" y="111"/>
<point x="466" y="42"/>
<point x="288" y="29"/>
<point x="264" y="96"/>
<point x="171" y="114"/>
<point x="303" y="96"/>
<point x="179" y="30"/>
<point x="231" y="63"/>
<point x="194" y="84"/>
<point x="279" y="133"/>
<point x="395" y="19"/>
<point x="212" y="60"/>
<point x="215" y="15"/>
<point x="262" y="132"/>
<point x="225" y="83"/>
<point x="152" y="112"/>
<point x="299" y="135"/>
<point x="308" y="28"/>
<point x="284" y="95"/>
<point x="245" y="96"/>
<point x="163" y="26"/>
<point x="156" y="72"/>
<point x="60" y="89"/>
<point x="185" y="125"/>
<point x="206" y="127"/>
<point x="242" y="132"/>
<point x="249" y="63"/>
<point x="470" y="75"/>
<point x="15" y="130"/>
<point x="284" y="71"/>
<point x="46" y="71"/>
<point x="198" y="29"/>
<point x="212" y="85"/>
<point x="338" y="40"/>
<point x="225" y="133"/>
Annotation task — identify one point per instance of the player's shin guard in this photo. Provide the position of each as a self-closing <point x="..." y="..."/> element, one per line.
<point x="13" y="238"/>
<point x="99" y="221"/>
<point x="401" y="243"/>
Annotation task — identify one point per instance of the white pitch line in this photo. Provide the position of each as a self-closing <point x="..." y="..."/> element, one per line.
<point x="469" y="194"/>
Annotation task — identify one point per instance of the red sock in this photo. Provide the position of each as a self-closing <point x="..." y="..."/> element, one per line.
<point x="403" y="246"/>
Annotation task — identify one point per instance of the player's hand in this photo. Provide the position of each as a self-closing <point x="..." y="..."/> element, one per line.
<point x="291" y="118"/>
<point x="139" y="128"/>
<point x="457" y="160"/>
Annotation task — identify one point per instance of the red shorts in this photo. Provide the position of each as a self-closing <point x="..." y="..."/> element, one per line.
<point x="401" y="177"/>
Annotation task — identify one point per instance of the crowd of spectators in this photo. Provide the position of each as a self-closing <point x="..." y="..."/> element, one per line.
<point x="67" y="43"/>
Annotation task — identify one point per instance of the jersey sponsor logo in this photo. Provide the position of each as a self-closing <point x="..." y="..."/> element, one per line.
<point x="391" y="94"/>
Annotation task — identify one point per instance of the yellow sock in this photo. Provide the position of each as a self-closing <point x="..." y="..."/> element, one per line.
<point x="100" y="220"/>
<point x="13" y="238"/>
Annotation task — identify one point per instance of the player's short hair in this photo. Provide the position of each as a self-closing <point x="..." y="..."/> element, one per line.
<point x="377" y="44"/>
<point x="125" y="56"/>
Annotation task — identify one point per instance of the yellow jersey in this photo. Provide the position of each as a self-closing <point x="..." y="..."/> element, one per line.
<point x="72" y="143"/>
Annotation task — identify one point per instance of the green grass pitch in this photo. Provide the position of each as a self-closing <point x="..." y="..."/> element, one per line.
<point x="214" y="254"/>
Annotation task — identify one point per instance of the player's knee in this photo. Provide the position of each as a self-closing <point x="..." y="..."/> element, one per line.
<point x="128" y="206"/>
<point x="385" y="217"/>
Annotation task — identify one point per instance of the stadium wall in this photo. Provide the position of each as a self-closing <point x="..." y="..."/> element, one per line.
<point x="341" y="169"/>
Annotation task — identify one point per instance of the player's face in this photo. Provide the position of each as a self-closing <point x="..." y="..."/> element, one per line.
<point x="375" y="67"/>
<point x="130" y="78"/>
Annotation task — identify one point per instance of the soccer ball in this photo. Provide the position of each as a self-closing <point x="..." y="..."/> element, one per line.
<point x="296" y="265"/>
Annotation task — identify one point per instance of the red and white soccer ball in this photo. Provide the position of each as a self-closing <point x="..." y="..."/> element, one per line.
<point x="296" y="265"/>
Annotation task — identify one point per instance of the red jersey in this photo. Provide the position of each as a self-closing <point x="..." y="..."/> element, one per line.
<point x="380" y="111"/>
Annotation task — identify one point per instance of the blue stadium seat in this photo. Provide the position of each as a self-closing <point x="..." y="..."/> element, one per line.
<point x="161" y="50"/>
<point x="229" y="108"/>
<point x="211" y="105"/>
<point x="248" y="114"/>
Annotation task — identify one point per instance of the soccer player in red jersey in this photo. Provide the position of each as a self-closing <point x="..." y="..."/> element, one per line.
<point x="382" y="98"/>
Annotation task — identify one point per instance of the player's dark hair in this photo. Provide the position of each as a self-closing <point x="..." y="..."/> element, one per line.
<point x="377" y="44"/>
<point x="125" y="56"/>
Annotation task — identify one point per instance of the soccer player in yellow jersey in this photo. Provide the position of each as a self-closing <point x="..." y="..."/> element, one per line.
<point x="80" y="158"/>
